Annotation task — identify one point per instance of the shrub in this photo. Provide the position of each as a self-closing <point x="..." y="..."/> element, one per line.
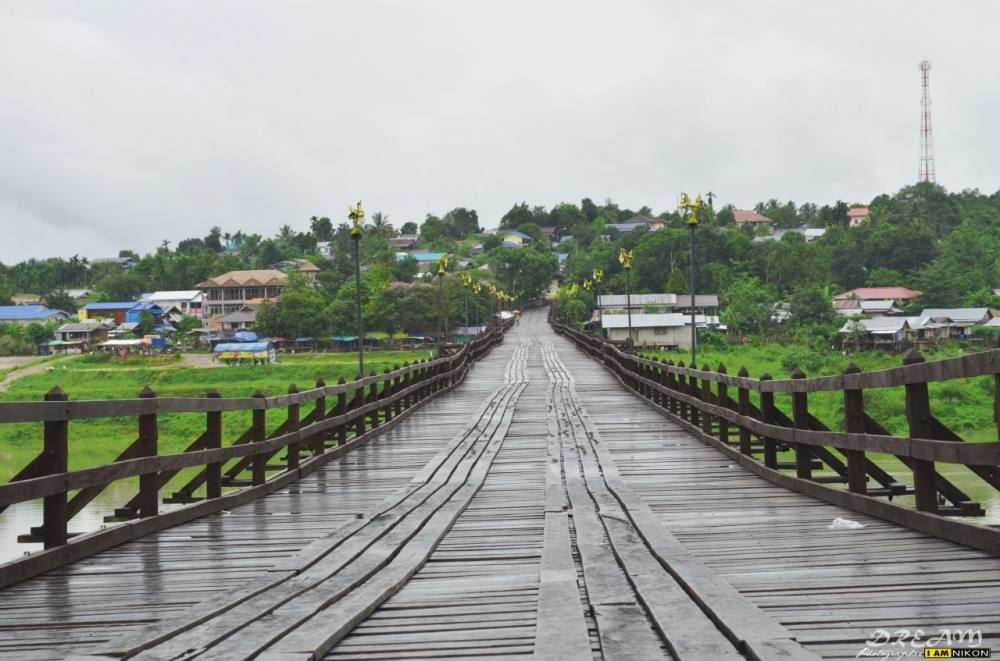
<point x="805" y="359"/>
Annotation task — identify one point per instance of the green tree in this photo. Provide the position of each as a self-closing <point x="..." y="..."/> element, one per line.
<point x="59" y="300"/>
<point x="747" y="306"/>
<point x="461" y="222"/>
<point x="811" y="305"/>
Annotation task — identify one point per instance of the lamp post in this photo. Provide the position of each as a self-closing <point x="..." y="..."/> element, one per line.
<point x="357" y="216"/>
<point x="598" y="276"/>
<point x="442" y="323"/>
<point x="692" y="209"/>
<point x="476" y="288"/>
<point x="466" y="284"/>
<point x="625" y="258"/>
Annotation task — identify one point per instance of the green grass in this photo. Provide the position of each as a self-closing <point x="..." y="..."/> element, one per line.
<point x="96" y="442"/>
<point x="964" y="405"/>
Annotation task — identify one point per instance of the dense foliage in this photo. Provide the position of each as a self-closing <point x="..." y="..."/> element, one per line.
<point x="947" y="245"/>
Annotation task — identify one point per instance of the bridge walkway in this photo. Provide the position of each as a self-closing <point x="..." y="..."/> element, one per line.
<point x="550" y="513"/>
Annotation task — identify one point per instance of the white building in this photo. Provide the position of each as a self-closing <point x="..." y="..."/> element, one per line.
<point x="671" y="330"/>
<point x="187" y="301"/>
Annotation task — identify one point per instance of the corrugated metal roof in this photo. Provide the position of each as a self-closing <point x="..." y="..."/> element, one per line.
<point x="116" y="305"/>
<point x="870" y="293"/>
<point x="242" y="346"/>
<point x="619" y="300"/>
<point x="958" y="315"/>
<point x="675" y="319"/>
<point x="27" y="312"/>
<point x="878" y="325"/>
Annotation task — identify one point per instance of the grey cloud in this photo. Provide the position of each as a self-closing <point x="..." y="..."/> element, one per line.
<point x="125" y="123"/>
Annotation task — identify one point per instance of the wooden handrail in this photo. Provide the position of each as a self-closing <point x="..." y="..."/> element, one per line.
<point x="686" y="395"/>
<point x="47" y="476"/>
<point x="11" y="412"/>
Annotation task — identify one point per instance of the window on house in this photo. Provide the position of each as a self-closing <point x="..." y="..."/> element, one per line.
<point x="659" y="331"/>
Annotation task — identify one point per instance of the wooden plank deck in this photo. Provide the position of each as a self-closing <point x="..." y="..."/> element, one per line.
<point x="539" y="510"/>
<point x="117" y="592"/>
<point x="832" y="588"/>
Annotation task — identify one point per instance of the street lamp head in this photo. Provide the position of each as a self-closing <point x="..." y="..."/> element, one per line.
<point x="625" y="258"/>
<point x="598" y="275"/>
<point x="442" y="263"/>
<point x="691" y="209"/>
<point x="357" y="216"/>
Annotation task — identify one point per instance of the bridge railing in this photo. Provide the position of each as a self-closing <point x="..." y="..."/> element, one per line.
<point x="789" y="450"/>
<point x="340" y="417"/>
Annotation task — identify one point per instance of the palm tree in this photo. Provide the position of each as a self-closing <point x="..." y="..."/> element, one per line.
<point x="381" y="225"/>
<point x="286" y="234"/>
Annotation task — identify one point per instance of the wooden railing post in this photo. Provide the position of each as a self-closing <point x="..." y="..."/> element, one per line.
<point x="148" y="500"/>
<point x="56" y="440"/>
<point x="341" y="410"/>
<point x="918" y="415"/>
<point x="292" y="425"/>
<point x="258" y="465"/>
<point x="800" y="418"/>
<point x="356" y="403"/>
<point x="767" y="414"/>
<point x="398" y="386"/>
<point x="319" y="414"/>
<point x="213" y="441"/>
<point x="683" y="389"/>
<point x="407" y="382"/>
<point x="706" y="396"/>
<point x="723" y="400"/>
<point x="854" y="423"/>
<point x="743" y="402"/>
<point x="672" y="403"/>
<point x="386" y="394"/>
<point x="373" y="396"/>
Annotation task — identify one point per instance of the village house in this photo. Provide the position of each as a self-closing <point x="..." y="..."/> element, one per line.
<point x="551" y="235"/>
<point x="857" y="216"/>
<point x="648" y="330"/>
<point x="705" y="304"/>
<point x="29" y="314"/>
<point x="425" y="260"/>
<point x="938" y="324"/>
<point x="232" y="291"/>
<point x="404" y="242"/>
<point x="243" y="319"/>
<point x="637" y="222"/>
<point x="890" y="333"/>
<point x="752" y="218"/>
<point x="87" y="334"/>
<point x="660" y="330"/>
<point x="187" y="301"/>
<point x="116" y="310"/>
<point x="876" y="308"/>
<point x="881" y="301"/>
<point x="515" y="239"/>
<point x="808" y="233"/>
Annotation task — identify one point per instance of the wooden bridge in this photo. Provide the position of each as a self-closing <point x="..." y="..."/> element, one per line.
<point x="542" y="496"/>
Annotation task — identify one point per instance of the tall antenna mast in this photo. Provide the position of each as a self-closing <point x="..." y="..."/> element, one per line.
<point x="926" y="135"/>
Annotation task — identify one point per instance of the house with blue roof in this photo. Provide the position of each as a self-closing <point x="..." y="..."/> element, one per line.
<point x="30" y="314"/>
<point x="133" y="314"/>
<point x="516" y="239"/>
<point x="111" y="310"/>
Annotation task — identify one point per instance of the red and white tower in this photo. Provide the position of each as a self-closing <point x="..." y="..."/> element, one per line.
<point x="926" y="135"/>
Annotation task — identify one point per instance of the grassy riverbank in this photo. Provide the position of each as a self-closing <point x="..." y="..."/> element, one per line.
<point x="95" y="442"/>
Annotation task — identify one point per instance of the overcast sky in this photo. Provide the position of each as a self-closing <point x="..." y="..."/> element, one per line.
<point x="126" y="123"/>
